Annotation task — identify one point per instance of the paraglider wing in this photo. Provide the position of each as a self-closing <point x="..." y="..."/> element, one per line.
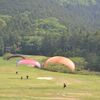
<point x="38" y="64"/>
<point x="29" y="62"/>
<point x="61" y="60"/>
<point x="16" y="55"/>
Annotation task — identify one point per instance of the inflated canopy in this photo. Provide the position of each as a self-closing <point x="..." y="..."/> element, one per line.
<point x="16" y="55"/>
<point x="60" y="60"/>
<point x="30" y="62"/>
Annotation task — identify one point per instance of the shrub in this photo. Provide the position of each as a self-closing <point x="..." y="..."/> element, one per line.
<point x="57" y="68"/>
<point x="93" y="62"/>
<point x="80" y="63"/>
<point x="6" y="55"/>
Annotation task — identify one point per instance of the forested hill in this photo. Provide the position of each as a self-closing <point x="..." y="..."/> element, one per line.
<point x="81" y="13"/>
<point x="52" y="27"/>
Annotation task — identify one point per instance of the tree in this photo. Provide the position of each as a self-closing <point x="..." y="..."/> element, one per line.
<point x="49" y="44"/>
<point x="1" y="46"/>
<point x="49" y="25"/>
<point x="2" y="23"/>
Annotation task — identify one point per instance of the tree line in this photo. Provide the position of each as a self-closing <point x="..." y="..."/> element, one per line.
<point x="51" y="27"/>
<point x="48" y="36"/>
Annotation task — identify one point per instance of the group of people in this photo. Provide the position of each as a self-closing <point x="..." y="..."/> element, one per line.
<point x="27" y="77"/>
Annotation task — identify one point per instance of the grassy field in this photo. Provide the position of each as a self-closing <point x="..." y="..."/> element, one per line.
<point x="79" y="87"/>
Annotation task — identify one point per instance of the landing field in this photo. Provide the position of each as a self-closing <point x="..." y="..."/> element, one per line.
<point x="12" y="87"/>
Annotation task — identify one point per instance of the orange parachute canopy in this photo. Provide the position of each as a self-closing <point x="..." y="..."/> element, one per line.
<point x="60" y="60"/>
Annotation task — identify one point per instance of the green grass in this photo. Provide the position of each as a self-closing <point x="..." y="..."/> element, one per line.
<point x="79" y="87"/>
